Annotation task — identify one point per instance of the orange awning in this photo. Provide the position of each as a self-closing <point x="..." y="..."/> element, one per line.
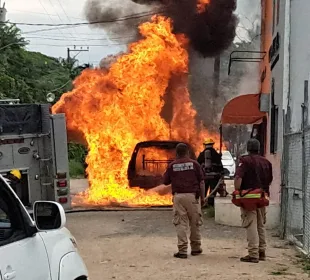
<point x="243" y="109"/>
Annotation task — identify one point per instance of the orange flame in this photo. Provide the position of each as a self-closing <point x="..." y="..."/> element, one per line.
<point x="208" y="192"/>
<point x="114" y="110"/>
<point x="201" y="5"/>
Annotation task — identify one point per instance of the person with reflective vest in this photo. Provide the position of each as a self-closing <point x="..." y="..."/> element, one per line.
<point x="187" y="181"/>
<point x="211" y="161"/>
<point x="254" y="172"/>
<point x="13" y="178"/>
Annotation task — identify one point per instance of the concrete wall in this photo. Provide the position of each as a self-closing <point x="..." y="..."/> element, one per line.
<point x="228" y="214"/>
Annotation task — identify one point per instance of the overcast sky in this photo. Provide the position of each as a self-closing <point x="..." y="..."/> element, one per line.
<point x="55" y="42"/>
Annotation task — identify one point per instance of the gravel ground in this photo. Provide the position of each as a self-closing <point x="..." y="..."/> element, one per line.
<point x="140" y="245"/>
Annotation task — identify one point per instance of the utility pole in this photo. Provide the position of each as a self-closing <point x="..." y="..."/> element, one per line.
<point x="75" y="50"/>
<point x="2" y="13"/>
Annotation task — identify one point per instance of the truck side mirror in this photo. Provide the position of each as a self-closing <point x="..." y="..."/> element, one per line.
<point x="49" y="215"/>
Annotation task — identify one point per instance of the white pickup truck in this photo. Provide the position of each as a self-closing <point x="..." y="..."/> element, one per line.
<point x="39" y="249"/>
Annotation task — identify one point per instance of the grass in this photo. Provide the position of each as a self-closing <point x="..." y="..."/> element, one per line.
<point x="304" y="261"/>
<point x="76" y="169"/>
<point x="281" y="271"/>
<point x="209" y="212"/>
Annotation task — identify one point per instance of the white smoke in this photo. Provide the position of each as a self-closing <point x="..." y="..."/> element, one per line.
<point x="249" y="12"/>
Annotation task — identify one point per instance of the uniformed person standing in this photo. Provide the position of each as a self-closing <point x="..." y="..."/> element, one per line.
<point x="187" y="180"/>
<point x="217" y="167"/>
<point x="254" y="171"/>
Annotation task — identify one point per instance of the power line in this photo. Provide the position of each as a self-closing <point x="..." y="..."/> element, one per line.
<point x="83" y="24"/>
<point x="64" y="11"/>
<point x="141" y="15"/>
<point x="48" y="15"/>
<point x="75" y="50"/>
<point x="98" y="45"/>
<point x="37" y="13"/>
<point x="76" y="38"/>
<point x="47" y="29"/>
<point x="58" y="15"/>
<point x="64" y="39"/>
<point x="61" y="86"/>
<point x="57" y="35"/>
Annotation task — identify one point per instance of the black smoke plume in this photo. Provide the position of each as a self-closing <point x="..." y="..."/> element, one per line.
<point x="210" y="32"/>
<point x="123" y="31"/>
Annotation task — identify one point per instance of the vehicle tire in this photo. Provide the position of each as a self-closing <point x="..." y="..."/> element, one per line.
<point x="81" y="278"/>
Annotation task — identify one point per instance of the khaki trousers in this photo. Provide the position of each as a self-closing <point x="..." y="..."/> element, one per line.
<point x="254" y="223"/>
<point x="187" y="216"/>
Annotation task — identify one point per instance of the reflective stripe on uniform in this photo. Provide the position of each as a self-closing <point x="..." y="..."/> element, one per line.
<point x="249" y="195"/>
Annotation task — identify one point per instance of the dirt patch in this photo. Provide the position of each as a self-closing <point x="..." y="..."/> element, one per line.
<point x="140" y="245"/>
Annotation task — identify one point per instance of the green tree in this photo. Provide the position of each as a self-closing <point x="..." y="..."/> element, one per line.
<point x="30" y="76"/>
<point x="10" y="36"/>
<point x="27" y="75"/>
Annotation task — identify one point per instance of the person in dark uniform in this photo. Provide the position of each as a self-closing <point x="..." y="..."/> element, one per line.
<point x="254" y="171"/>
<point x="187" y="181"/>
<point x="217" y="167"/>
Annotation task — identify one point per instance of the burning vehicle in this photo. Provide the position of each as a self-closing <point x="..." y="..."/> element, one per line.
<point x="150" y="160"/>
<point x="111" y="110"/>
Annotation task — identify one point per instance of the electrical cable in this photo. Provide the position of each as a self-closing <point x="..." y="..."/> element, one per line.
<point x="115" y="209"/>
<point x="136" y="16"/>
<point x="99" y="45"/>
<point x="47" y="29"/>
<point x="82" y="24"/>
<point x="64" y="11"/>
<point x="49" y="15"/>
<point x="76" y="39"/>
<point x="58" y="15"/>
<point x="59" y="35"/>
<point x="37" y="13"/>
<point x="61" y="86"/>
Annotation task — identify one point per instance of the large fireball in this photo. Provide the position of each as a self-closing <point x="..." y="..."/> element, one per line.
<point x="114" y="110"/>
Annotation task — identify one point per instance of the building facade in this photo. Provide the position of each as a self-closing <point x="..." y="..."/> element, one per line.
<point x="272" y="77"/>
<point x="284" y="75"/>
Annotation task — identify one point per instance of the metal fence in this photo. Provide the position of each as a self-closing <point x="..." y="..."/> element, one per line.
<point x="295" y="200"/>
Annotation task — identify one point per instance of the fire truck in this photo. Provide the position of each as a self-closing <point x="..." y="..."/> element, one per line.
<point x="34" y="141"/>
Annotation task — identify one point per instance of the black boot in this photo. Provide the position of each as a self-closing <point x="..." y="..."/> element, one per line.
<point x="180" y="255"/>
